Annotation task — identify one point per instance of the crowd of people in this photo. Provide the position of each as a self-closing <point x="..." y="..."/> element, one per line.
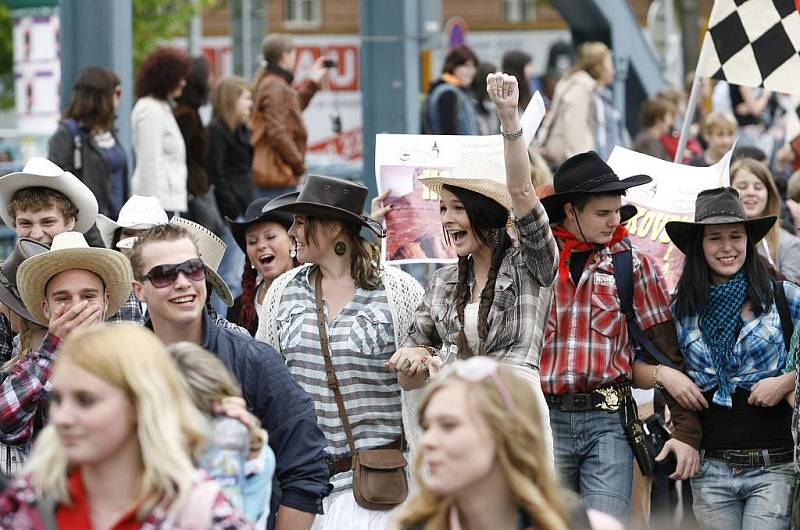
<point x="548" y="379"/>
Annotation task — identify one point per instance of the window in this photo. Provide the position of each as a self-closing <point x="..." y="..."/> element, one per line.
<point x="519" y="10"/>
<point x="302" y="12"/>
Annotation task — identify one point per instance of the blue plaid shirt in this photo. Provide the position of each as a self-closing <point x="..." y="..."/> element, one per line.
<point x="759" y="352"/>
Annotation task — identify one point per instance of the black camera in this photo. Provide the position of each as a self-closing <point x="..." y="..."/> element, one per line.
<point x="329" y="63"/>
<point x="656" y="434"/>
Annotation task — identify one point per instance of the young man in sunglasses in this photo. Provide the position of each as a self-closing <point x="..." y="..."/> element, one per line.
<point x="170" y="278"/>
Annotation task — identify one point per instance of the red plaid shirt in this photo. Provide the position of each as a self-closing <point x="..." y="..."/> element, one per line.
<point x="586" y="341"/>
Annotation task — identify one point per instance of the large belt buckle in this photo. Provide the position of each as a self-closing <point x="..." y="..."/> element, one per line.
<point x="611" y="401"/>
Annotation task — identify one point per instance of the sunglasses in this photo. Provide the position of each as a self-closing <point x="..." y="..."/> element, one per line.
<point x="165" y="275"/>
<point x="476" y="369"/>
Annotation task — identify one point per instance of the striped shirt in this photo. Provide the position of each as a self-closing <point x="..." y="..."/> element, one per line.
<point x="361" y="340"/>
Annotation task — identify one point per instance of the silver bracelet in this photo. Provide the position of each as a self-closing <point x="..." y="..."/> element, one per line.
<point x="512" y="136"/>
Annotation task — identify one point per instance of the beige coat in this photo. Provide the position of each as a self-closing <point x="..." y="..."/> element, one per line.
<point x="568" y="127"/>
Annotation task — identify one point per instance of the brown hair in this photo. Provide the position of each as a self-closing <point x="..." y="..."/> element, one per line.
<point x="793" y="187"/>
<point x="364" y="256"/>
<point x="161" y="72"/>
<point x="165" y="232"/>
<point x="224" y="98"/>
<point x="521" y="453"/>
<point x="773" y="206"/>
<point x="37" y="198"/>
<point x="26" y="333"/>
<point x="92" y="103"/>
<point x="654" y="110"/>
<point x="457" y="56"/>
<point x="717" y="120"/>
<point x="591" y="57"/>
<point x="272" y="49"/>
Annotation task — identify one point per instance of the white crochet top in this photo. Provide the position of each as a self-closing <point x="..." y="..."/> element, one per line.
<point x="404" y="294"/>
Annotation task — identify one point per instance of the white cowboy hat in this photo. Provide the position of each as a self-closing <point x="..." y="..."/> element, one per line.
<point x="139" y="213"/>
<point x="40" y="172"/>
<point x="70" y="251"/>
<point x="211" y="250"/>
<point x="476" y="171"/>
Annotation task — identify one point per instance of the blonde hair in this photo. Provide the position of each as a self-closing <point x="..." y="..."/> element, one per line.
<point x="591" y="58"/>
<point x="521" y="454"/>
<point x="132" y="359"/>
<point x="717" y="120"/>
<point x="205" y="377"/>
<point x="224" y="98"/>
<point x="26" y="333"/>
<point x="773" y="206"/>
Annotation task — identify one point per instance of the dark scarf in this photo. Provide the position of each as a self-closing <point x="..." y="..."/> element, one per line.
<point x="277" y="70"/>
<point x="570" y="244"/>
<point x="720" y="323"/>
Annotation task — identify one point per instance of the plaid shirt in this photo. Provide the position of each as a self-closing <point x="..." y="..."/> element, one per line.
<point x="6" y="340"/>
<point x="759" y="352"/>
<point x="586" y="339"/>
<point x="24" y="390"/>
<point x="131" y="311"/>
<point x="522" y="295"/>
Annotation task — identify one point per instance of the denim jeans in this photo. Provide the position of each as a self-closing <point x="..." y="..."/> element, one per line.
<point x="758" y="498"/>
<point x="594" y="459"/>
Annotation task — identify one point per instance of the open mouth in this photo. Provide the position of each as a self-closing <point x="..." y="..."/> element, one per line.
<point x="266" y="259"/>
<point x="457" y="236"/>
<point x="727" y="260"/>
<point x="185" y="300"/>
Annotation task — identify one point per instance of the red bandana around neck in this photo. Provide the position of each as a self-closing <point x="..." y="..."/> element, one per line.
<point x="570" y="243"/>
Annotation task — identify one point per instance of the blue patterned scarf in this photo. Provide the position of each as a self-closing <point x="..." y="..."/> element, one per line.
<point x="720" y="323"/>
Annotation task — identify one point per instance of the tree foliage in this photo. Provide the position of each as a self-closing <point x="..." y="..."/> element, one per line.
<point x="156" y="21"/>
<point x="6" y="59"/>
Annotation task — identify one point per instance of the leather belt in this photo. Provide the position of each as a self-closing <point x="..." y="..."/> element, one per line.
<point x="345" y="463"/>
<point x="607" y="398"/>
<point x="751" y="457"/>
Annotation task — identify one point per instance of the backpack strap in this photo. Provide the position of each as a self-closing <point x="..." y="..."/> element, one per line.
<point x="75" y="130"/>
<point x="782" y="305"/>
<point x="623" y="276"/>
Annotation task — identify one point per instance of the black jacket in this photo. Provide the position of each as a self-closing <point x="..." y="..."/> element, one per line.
<point x="229" y="166"/>
<point x="285" y="411"/>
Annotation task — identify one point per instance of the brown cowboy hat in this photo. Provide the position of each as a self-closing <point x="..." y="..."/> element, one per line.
<point x="719" y="206"/>
<point x="329" y="198"/>
<point x="9" y="294"/>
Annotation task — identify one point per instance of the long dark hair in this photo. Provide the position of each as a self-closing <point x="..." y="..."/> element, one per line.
<point x="514" y="62"/>
<point x="691" y="293"/>
<point x="487" y="218"/>
<point x="92" y="103"/>
<point x="195" y="93"/>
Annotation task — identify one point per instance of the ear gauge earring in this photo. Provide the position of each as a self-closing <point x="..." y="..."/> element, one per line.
<point x="340" y="248"/>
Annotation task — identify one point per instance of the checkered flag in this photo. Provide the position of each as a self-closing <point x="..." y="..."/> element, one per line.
<point x="753" y="43"/>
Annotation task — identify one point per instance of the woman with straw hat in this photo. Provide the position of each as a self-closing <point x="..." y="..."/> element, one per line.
<point x="494" y="302"/>
<point x="337" y="321"/>
<point x="729" y="330"/>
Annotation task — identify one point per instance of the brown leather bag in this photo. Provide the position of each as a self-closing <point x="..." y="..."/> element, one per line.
<point x="379" y="478"/>
<point x="269" y="169"/>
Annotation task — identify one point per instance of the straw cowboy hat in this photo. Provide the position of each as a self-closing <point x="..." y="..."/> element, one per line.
<point x="138" y="213"/>
<point x="211" y="250"/>
<point x="24" y="248"/>
<point x="40" y="172"/>
<point x="328" y="198"/>
<point x="255" y="215"/>
<point x="719" y="206"/>
<point x="586" y="173"/>
<point x="479" y="173"/>
<point x="70" y="251"/>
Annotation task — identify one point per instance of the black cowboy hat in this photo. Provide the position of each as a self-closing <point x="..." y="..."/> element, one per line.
<point x="255" y="215"/>
<point x="330" y="198"/>
<point x="719" y="206"/>
<point x="24" y="248"/>
<point x="585" y="173"/>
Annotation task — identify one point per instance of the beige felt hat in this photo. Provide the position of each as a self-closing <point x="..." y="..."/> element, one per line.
<point x="40" y="172"/>
<point x="138" y="213"/>
<point x="70" y="251"/>
<point x="211" y="249"/>
<point x="476" y="172"/>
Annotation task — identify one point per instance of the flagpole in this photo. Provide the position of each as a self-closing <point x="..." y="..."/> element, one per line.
<point x="694" y="95"/>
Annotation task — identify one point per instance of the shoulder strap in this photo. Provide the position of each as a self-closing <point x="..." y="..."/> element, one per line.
<point x="782" y="305"/>
<point x="623" y="276"/>
<point x="75" y="130"/>
<point x="333" y="381"/>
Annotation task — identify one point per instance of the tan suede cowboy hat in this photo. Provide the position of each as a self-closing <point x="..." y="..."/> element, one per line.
<point x="40" y="172"/>
<point x="211" y="248"/>
<point x="719" y="206"/>
<point x="70" y="251"/>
